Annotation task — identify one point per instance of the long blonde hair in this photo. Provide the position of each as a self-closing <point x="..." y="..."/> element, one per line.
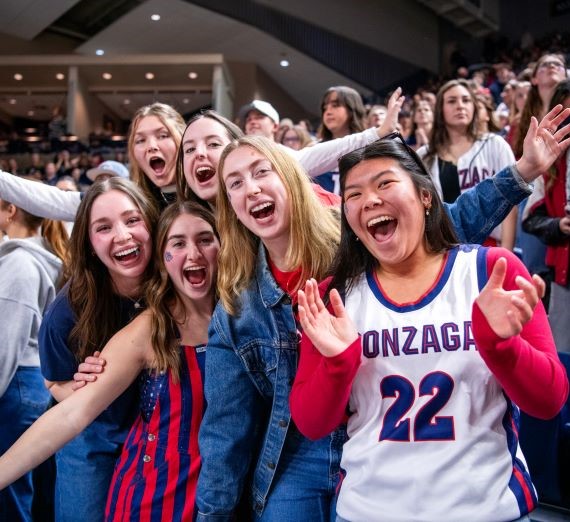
<point x="172" y="120"/>
<point x="314" y="230"/>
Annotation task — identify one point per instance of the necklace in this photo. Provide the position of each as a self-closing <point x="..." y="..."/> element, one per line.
<point x="136" y="302"/>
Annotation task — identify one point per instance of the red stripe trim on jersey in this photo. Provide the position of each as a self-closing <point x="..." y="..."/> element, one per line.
<point x="423" y="296"/>
<point x="528" y="496"/>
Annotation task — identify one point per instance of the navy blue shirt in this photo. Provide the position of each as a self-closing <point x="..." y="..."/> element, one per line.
<point x="58" y="363"/>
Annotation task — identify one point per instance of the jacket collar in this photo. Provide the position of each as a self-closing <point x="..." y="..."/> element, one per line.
<point x="271" y="293"/>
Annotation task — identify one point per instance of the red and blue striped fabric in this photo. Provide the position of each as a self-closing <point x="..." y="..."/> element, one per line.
<point x="156" y="475"/>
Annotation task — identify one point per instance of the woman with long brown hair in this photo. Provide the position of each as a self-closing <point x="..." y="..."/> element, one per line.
<point x="459" y="156"/>
<point x="158" y="467"/>
<point x="111" y="248"/>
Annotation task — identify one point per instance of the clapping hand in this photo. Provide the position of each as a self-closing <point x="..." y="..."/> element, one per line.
<point x="330" y="334"/>
<point x="390" y="123"/>
<point x="543" y="143"/>
<point x="507" y="311"/>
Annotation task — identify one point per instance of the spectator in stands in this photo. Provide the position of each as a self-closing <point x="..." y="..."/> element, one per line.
<point x="422" y="124"/>
<point x="342" y="114"/>
<point x="259" y="118"/>
<point x="295" y="137"/>
<point x="30" y="265"/>
<point x="459" y="156"/>
<point x="547" y="215"/>
<point x="503" y="73"/>
<point x="36" y="166"/>
<point x="376" y="115"/>
<point x="50" y="174"/>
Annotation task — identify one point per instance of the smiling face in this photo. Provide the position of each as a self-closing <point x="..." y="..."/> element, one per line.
<point x="154" y="149"/>
<point x="458" y="108"/>
<point x="202" y="145"/>
<point x="384" y="210"/>
<point x="336" y="116"/>
<point x="258" y="124"/>
<point x="120" y="239"/>
<point x="191" y="257"/>
<point x="258" y="197"/>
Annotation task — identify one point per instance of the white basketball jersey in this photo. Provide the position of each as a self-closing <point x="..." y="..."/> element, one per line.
<point x="432" y="435"/>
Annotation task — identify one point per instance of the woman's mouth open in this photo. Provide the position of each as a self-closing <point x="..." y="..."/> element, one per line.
<point x="195" y="275"/>
<point x="382" y="227"/>
<point x="263" y="210"/>
<point x="157" y="165"/>
<point x="127" y="255"/>
<point x="204" y="174"/>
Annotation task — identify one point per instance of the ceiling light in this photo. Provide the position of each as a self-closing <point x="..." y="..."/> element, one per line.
<point x="192" y="75"/>
<point x="284" y="63"/>
<point x="186" y="101"/>
<point x="107" y="76"/>
<point x="149" y="76"/>
<point x="60" y="76"/>
<point x="99" y="52"/>
<point x="126" y="101"/>
<point x="31" y="113"/>
<point x="30" y="130"/>
<point x="155" y="17"/>
<point x="12" y="101"/>
<point x="18" y="77"/>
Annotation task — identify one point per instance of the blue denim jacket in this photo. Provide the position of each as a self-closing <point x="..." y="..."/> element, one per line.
<point x="252" y="361"/>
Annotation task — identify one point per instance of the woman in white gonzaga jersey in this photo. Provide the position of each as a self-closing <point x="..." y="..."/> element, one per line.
<point x="434" y="350"/>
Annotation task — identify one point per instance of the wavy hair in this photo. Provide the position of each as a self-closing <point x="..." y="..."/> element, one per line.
<point x="532" y="107"/>
<point x="91" y="293"/>
<point x="160" y="292"/>
<point x="314" y="230"/>
<point x="183" y="190"/>
<point x="353" y="258"/>
<point x="173" y="121"/>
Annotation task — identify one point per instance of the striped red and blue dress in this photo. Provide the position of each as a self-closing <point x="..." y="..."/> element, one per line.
<point x="155" y="477"/>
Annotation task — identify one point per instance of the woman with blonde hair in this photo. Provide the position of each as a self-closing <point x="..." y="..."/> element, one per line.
<point x="30" y="266"/>
<point x="154" y="139"/>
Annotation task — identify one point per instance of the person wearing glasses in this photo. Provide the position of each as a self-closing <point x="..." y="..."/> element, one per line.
<point x="429" y="351"/>
<point x="459" y="155"/>
<point x="275" y="234"/>
<point x="549" y="70"/>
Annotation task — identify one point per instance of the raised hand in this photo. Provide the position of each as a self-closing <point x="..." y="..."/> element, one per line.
<point x="330" y="334"/>
<point x="87" y="370"/>
<point x="507" y="311"/>
<point x="390" y="123"/>
<point x="543" y="143"/>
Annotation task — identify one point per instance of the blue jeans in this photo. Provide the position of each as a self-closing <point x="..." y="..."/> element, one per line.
<point x="304" y="487"/>
<point x="25" y="399"/>
<point x="83" y="479"/>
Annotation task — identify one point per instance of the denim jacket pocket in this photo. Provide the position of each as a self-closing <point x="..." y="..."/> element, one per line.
<point x="260" y="359"/>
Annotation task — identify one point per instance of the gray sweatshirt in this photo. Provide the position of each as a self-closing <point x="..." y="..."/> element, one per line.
<point x="28" y="273"/>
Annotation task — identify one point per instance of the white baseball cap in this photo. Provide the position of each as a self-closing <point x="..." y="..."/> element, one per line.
<point x="260" y="106"/>
<point x="110" y="167"/>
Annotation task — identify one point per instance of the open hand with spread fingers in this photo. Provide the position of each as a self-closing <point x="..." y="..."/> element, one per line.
<point x="507" y="311"/>
<point x="330" y="334"/>
<point x="390" y="123"/>
<point x="543" y="143"/>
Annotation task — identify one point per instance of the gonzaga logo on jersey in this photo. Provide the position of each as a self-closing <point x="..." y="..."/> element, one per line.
<point x="409" y="340"/>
